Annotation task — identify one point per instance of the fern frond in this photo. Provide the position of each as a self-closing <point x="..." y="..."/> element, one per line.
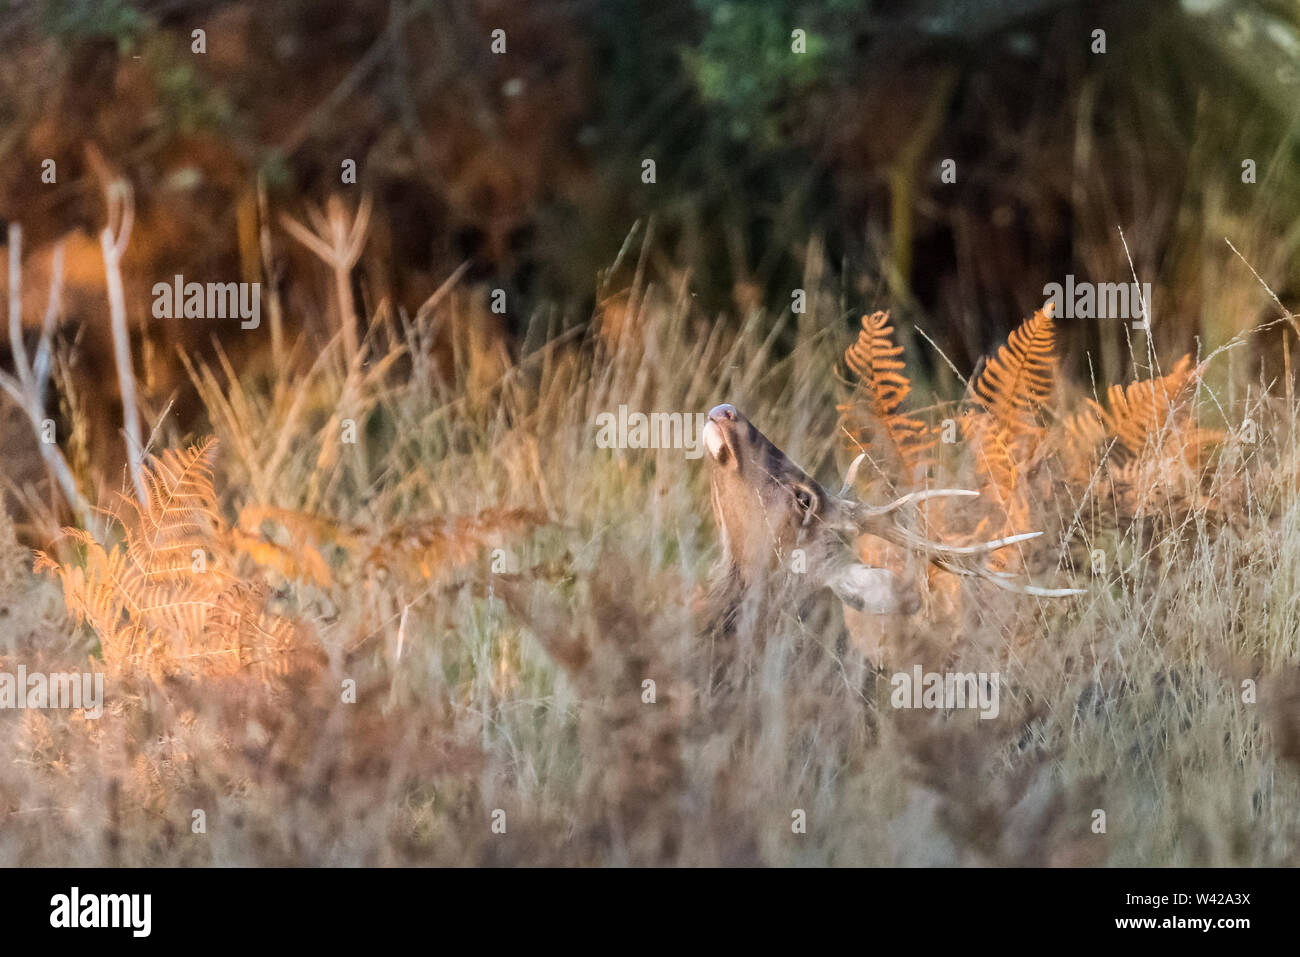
<point x="429" y="550"/>
<point x="1019" y="378"/>
<point x="181" y="511"/>
<point x="1080" y="442"/>
<point x="241" y="635"/>
<point x="154" y="604"/>
<point x="1085" y="430"/>
<point x="1157" y="446"/>
<point x="301" y="527"/>
<point x="1140" y="411"/>
<point x="1000" y="469"/>
<point x="872" y="415"/>
<point x="304" y="563"/>
<point x="299" y="553"/>
<point x="1006" y="432"/>
<point x="99" y="592"/>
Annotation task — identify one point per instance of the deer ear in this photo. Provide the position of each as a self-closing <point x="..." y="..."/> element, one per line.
<point x="876" y="591"/>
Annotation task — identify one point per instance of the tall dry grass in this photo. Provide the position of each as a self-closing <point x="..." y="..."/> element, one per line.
<point x="481" y="690"/>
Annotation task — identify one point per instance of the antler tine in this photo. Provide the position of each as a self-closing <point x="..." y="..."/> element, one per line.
<point x="979" y="548"/>
<point x="875" y="511"/>
<point x="941" y="555"/>
<point x="851" y="475"/>
<point x="1006" y="582"/>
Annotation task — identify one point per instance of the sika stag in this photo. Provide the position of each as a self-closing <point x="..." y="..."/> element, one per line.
<point x="785" y="538"/>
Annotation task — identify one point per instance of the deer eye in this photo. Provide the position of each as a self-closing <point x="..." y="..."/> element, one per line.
<point x="807" y="500"/>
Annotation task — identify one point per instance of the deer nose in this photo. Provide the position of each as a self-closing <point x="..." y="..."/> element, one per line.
<point x="725" y="411"/>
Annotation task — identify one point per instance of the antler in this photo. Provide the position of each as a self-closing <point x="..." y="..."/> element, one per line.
<point x="869" y="511"/>
<point x="949" y="557"/>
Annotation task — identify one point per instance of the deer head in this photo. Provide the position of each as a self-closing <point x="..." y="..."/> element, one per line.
<point x="781" y="529"/>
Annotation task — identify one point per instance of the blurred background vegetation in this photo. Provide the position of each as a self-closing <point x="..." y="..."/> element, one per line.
<point x="528" y="164"/>
<point x="797" y="145"/>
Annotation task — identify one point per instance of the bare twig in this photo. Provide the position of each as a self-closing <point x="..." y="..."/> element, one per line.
<point x="272" y="283"/>
<point x="27" y="386"/>
<point x="121" y="214"/>
<point x="337" y="243"/>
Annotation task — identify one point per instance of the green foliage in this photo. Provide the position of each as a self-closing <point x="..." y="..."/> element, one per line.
<point x="189" y="102"/>
<point x="746" y="64"/>
<point x="118" y="20"/>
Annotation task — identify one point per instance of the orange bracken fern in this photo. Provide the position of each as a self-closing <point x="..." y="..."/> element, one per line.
<point x="165" y="600"/>
<point x="872" y="416"/>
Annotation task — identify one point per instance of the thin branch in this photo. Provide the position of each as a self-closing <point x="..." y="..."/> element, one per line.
<point x="121" y="210"/>
<point x="16" y="306"/>
<point x="337" y="243"/>
<point x="28" y="386"/>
